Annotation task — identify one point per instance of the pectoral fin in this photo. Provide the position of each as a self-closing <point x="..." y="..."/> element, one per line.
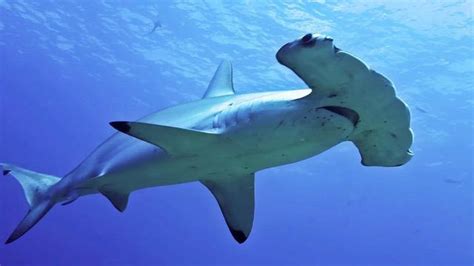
<point x="235" y="196"/>
<point x="172" y="139"/>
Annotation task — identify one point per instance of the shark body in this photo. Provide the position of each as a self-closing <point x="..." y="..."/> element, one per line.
<point x="221" y="141"/>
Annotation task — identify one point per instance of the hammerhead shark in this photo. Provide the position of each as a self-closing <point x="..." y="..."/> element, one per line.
<point x="223" y="139"/>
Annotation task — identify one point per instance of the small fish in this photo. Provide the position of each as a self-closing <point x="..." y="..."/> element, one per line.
<point x="452" y="181"/>
<point x="156" y="24"/>
<point x="421" y="109"/>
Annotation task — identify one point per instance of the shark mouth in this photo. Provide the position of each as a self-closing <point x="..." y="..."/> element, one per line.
<point x="350" y="114"/>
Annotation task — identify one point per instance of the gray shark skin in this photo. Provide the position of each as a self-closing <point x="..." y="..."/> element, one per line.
<point x="223" y="139"/>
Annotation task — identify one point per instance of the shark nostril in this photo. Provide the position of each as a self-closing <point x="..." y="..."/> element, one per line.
<point x="307" y="38"/>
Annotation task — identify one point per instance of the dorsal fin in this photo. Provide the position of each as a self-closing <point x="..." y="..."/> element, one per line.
<point x="235" y="196"/>
<point x="221" y="84"/>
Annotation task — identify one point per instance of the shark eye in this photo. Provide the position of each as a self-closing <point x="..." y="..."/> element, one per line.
<point x="307" y="38"/>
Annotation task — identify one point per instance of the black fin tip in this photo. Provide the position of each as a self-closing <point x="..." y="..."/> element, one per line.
<point x="121" y="126"/>
<point x="238" y="235"/>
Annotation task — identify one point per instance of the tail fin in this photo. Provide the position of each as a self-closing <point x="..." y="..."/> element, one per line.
<point x="35" y="186"/>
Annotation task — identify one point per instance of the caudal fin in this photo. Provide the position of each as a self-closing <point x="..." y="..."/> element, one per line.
<point x="35" y="187"/>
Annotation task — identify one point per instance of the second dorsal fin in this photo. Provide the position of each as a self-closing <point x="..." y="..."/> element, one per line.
<point x="118" y="199"/>
<point x="221" y="83"/>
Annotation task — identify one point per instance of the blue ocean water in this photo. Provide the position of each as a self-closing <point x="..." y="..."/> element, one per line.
<point x="67" y="68"/>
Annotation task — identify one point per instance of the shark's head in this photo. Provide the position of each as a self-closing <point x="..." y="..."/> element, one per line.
<point x="345" y="85"/>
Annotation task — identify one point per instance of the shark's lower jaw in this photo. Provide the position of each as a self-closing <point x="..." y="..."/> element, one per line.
<point x="349" y="114"/>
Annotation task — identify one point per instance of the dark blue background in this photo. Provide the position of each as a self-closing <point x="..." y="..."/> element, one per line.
<point x="68" y="68"/>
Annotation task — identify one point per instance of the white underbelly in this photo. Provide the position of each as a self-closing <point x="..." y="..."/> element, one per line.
<point x="247" y="149"/>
